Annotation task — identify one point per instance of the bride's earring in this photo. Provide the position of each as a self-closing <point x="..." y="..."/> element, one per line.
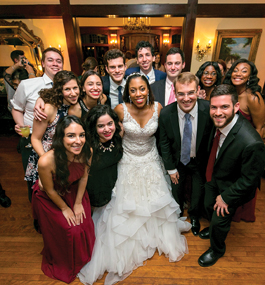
<point x="130" y="99"/>
<point x="147" y="101"/>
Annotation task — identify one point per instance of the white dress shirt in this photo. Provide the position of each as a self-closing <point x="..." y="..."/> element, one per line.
<point x="114" y="92"/>
<point x="151" y="76"/>
<point x="26" y="95"/>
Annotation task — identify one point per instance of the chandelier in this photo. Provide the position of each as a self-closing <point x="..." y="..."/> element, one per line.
<point x="137" y="24"/>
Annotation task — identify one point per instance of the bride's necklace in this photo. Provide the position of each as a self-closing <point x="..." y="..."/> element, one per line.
<point x="109" y="148"/>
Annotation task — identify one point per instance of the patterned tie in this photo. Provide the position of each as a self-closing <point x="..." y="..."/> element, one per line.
<point x="172" y="95"/>
<point x="186" y="141"/>
<point x="212" y="157"/>
<point x="120" y="94"/>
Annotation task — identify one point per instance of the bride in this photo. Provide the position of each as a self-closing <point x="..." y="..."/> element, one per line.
<point x="142" y="216"/>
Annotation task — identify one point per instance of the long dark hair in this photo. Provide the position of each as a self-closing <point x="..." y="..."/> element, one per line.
<point x="54" y="95"/>
<point x="253" y="79"/>
<point x="84" y="78"/>
<point x="126" y="94"/>
<point x="60" y="156"/>
<point x="199" y="73"/>
<point x="90" y="121"/>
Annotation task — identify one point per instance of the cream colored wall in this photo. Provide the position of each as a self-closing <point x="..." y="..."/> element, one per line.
<point x="51" y="31"/>
<point x="205" y="30"/>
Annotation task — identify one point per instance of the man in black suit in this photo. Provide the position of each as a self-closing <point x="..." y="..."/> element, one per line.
<point x="184" y="130"/>
<point x="163" y="89"/>
<point x="234" y="169"/>
<point x="114" y="82"/>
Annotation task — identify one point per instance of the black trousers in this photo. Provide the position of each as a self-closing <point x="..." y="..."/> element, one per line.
<point x="219" y="226"/>
<point x="25" y="153"/>
<point x="197" y="193"/>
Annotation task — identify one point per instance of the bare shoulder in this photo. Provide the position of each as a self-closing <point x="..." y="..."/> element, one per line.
<point x="50" y="110"/>
<point x="119" y="110"/>
<point x="47" y="160"/>
<point x="254" y="101"/>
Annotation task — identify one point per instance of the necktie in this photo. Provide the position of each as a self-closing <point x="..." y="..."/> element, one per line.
<point x="212" y="157"/>
<point x="120" y="94"/>
<point x="186" y="141"/>
<point x="172" y="95"/>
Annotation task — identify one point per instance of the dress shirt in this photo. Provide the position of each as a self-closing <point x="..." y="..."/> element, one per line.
<point x="26" y="95"/>
<point x="194" y="122"/>
<point x="167" y="90"/>
<point x="151" y="76"/>
<point x="114" y="92"/>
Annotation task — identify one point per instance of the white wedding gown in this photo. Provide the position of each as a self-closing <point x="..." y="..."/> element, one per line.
<point x="142" y="215"/>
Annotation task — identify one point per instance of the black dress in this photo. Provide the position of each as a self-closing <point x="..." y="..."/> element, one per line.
<point x="102" y="175"/>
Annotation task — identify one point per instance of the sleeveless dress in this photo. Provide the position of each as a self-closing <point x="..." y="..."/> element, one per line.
<point x="32" y="167"/>
<point x="142" y="216"/>
<point x="66" y="249"/>
<point x="246" y="212"/>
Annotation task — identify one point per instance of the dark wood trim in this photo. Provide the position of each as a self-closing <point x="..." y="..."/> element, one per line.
<point x="72" y="39"/>
<point x="188" y="32"/>
<point x="231" y="11"/>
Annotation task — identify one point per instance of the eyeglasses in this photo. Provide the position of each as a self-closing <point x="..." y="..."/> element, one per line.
<point x="206" y="73"/>
<point x="190" y="93"/>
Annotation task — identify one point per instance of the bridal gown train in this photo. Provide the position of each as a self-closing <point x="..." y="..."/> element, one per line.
<point x="142" y="216"/>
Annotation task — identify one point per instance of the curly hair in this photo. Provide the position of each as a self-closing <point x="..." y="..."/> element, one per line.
<point x="253" y="79"/>
<point x="113" y="54"/>
<point x="84" y="78"/>
<point x="144" y="44"/>
<point x="199" y="73"/>
<point x="60" y="156"/>
<point x="54" y="95"/>
<point x="126" y="93"/>
<point x="90" y="121"/>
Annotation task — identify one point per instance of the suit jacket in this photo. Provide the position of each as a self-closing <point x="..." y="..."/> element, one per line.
<point x="158" y="89"/>
<point x="239" y="164"/>
<point x="158" y="74"/>
<point x="170" y="139"/>
<point x="106" y="88"/>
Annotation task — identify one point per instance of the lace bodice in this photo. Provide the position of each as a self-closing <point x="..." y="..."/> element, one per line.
<point x="139" y="141"/>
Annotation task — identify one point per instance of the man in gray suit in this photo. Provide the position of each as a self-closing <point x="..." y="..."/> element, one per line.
<point x="163" y="89"/>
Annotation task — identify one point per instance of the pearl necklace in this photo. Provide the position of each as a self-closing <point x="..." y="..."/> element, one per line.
<point x="101" y="146"/>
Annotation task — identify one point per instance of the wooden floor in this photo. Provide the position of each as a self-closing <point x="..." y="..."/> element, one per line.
<point x="20" y="245"/>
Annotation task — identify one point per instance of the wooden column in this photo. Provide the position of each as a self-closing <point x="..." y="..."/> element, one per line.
<point x="188" y="32"/>
<point x="72" y="38"/>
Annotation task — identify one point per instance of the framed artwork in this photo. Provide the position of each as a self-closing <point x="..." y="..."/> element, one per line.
<point x="237" y="44"/>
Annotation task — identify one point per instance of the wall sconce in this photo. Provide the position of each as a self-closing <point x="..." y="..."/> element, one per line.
<point x="113" y="40"/>
<point x="202" y="52"/>
<point x="165" y="39"/>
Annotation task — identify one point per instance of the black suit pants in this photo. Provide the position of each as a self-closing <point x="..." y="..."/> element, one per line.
<point x="219" y="226"/>
<point x="197" y="193"/>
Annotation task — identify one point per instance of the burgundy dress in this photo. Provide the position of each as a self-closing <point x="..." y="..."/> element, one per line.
<point x="66" y="248"/>
<point x="246" y="212"/>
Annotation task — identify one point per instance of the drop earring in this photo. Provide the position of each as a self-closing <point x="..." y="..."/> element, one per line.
<point x="130" y="99"/>
<point x="147" y="101"/>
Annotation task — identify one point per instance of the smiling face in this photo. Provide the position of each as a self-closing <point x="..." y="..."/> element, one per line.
<point x="174" y="66"/>
<point x="138" y="92"/>
<point x="105" y="128"/>
<point x="186" y="95"/>
<point x="70" y="92"/>
<point x="145" y="59"/>
<point x="74" y="139"/>
<point x="93" y="87"/>
<point x="222" y="110"/>
<point x="52" y="64"/>
<point x="241" y="74"/>
<point x="209" y="76"/>
<point x="116" y="69"/>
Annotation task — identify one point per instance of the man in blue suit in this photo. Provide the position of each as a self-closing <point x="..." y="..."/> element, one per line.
<point x="145" y="57"/>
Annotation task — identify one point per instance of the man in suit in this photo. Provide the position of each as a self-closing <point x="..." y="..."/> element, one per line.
<point x="184" y="130"/>
<point x="114" y="82"/>
<point x="163" y="89"/>
<point x="145" y="56"/>
<point x="234" y="169"/>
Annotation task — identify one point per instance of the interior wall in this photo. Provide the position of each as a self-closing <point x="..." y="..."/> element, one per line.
<point x="205" y="30"/>
<point x="51" y="31"/>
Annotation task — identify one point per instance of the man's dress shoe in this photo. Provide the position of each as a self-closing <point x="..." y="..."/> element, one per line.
<point x="205" y="234"/>
<point x="4" y="200"/>
<point x="195" y="226"/>
<point x="209" y="258"/>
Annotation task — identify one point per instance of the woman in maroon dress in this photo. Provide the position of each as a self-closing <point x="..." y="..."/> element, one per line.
<point x="243" y="75"/>
<point x="62" y="207"/>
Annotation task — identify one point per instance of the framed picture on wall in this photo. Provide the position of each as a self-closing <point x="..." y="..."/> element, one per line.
<point x="236" y="44"/>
